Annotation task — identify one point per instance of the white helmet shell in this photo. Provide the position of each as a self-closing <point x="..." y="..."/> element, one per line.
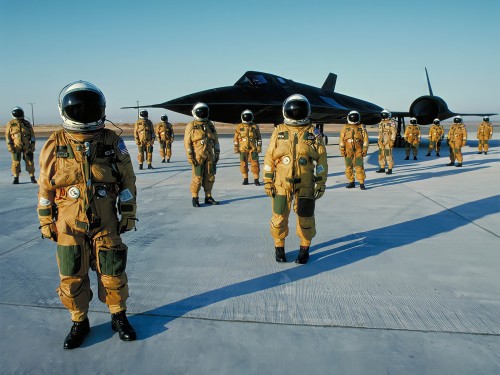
<point x="386" y="114"/>
<point x="196" y="111"/>
<point x="82" y="107"/>
<point x="247" y="116"/>
<point x="457" y="119"/>
<point x="413" y="120"/>
<point x="486" y="119"/>
<point x="353" y="118"/>
<point x="296" y="110"/>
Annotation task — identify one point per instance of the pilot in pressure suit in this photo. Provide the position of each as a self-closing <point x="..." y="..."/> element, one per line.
<point x="412" y="137"/>
<point x="353" y="144"/>
<point x="144" y="135"/>
<point x="165" y="135"/>
<point x="484" y="134"/>
<point x="202" y="149"/>
<point x="386" y="138"/>
<point x="436" y="135"/>
<point x="20" y="138"/>
<point x="456" y="138"/>
<point x="86" y="177"/>
<point x="248" y="144"/>
<point x="295" y="168"/>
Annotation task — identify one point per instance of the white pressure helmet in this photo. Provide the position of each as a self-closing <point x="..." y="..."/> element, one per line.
<point x="247" y="116"/>
<point x="457" y="119"/>
<point x="413" y="121"/>
<point x="436" y="121"/>
<point x="486" y="119"/>
<point x="353" y="118"/>
<point x="385" y="114"/>
<point x="82" y="107"/>
<point x="296" y="110"/>
<point x="200" y="112"/>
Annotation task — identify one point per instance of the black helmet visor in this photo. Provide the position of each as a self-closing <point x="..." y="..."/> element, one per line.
<point x="83" y="106"/>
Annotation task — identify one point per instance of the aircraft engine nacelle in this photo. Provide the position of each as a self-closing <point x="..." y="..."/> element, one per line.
<point x="429" y="107"/>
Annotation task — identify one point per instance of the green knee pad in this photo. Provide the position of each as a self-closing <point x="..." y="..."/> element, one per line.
<point x="112" y="262"/>
<point x="70" y="259"/>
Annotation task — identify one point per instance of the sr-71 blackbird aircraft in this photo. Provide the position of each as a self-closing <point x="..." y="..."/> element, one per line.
<point x="264" y="94"/>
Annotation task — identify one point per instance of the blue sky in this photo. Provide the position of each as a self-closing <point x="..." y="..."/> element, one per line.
<point x="153" y="51"/>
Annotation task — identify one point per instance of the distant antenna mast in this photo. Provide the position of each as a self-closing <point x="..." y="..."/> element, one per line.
<point x="32" y="115"/>
<point x="429" y="83"/>
<point x="138" y="116"/>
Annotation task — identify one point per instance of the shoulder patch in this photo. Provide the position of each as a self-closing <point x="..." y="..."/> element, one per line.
<point x="122" y="147"/>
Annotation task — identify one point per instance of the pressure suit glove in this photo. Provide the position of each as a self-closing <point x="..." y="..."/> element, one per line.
<point x="319" y="190"/>
<point x="270" y="189"/>
<point x="49" y="231"/>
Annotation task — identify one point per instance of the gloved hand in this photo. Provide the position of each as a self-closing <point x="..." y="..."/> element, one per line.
<point x="192" y="162"/>
<point x="343" y="153"/>
<point x="365" y="152"/>
<point x="270" y="189"/>
<point x="391" y="145"/>
<point x="259" y="149"/>
<point x="32" y="146"/>
<point x="236" y="151"/>
<point x="319" y="191"/>
<point x="217" y="154"/>
<point x="128" y="213"/>
<point x="126" y="224"/>
<point x="49" y="231"/>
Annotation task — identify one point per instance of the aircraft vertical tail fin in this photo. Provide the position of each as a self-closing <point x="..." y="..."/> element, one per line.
<point x="428" y="83"/>
<point x="330" y="82"/>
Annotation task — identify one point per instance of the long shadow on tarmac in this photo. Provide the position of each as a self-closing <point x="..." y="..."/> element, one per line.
<point x="325" y="257"/>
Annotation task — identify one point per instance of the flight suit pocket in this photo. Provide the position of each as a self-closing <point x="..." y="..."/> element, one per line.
<point x="305" y="207"/>
<point x="255" y="156"/>
<point x="112" y="262"/>
<point x="70" y="259"/>
<point x="198" y="170"/>
<point x="243" y="156"/>
<point x="279" y="204"/>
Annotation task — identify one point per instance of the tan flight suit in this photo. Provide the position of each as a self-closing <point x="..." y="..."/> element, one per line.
<point x="202" y="150"/>
<point x="294" y="154"/>
<point x="484" y="134"/>
<point x="144" y="135"/>
<point x="248" y="143"/>
<point x="436" y="133"/>
<point x="457" y="137"/>
<point x="165" y="135"/>
<point x="353" y="144"/>
<point x="412" y="136"/>
<point x="386" y="139"/>
<point x="80" y="194"/>
<point x="20" y="138"/>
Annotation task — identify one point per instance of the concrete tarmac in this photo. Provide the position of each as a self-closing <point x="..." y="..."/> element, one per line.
<point x="403" y="277"/>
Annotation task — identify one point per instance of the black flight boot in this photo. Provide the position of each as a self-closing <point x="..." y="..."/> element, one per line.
<point x="480" y="152"/>
<point x="210" y="200"/>
<point x="256" y="182"/>
<point x="303" y="255"/>
<point x="150" y="166"/>
<point x="196" y="202"/>
<point x="245" y="181"/>
<point x="459" y="165"/>
<point x="362" y="186"/>
<point x="168" y="160"/>
<point x="163" y="160"/>
<point x="140" y="166"/>
<point x="16" y="180"/>
<point x="414" y="158"/>
<point x="381" y="170"/>
<point x="437" y="154"/>
<point x="280" y="254"/>
<point x="78" y="332"/>
<point x="428" y="154"/>
<point x="389" y="171"/>
<point x="33" y="180"/>
<point x="407" y="158"/>
<point x="486" y="152"/>
<point x="450" y="164"/>
<point x="350" y="185"/>
<point x="120" y="324"/>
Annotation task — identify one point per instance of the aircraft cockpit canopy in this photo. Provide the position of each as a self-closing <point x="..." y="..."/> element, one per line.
<point x="257" y="79"/>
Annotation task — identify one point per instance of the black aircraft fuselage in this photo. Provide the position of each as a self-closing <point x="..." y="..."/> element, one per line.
<point x="264" y="94"/>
